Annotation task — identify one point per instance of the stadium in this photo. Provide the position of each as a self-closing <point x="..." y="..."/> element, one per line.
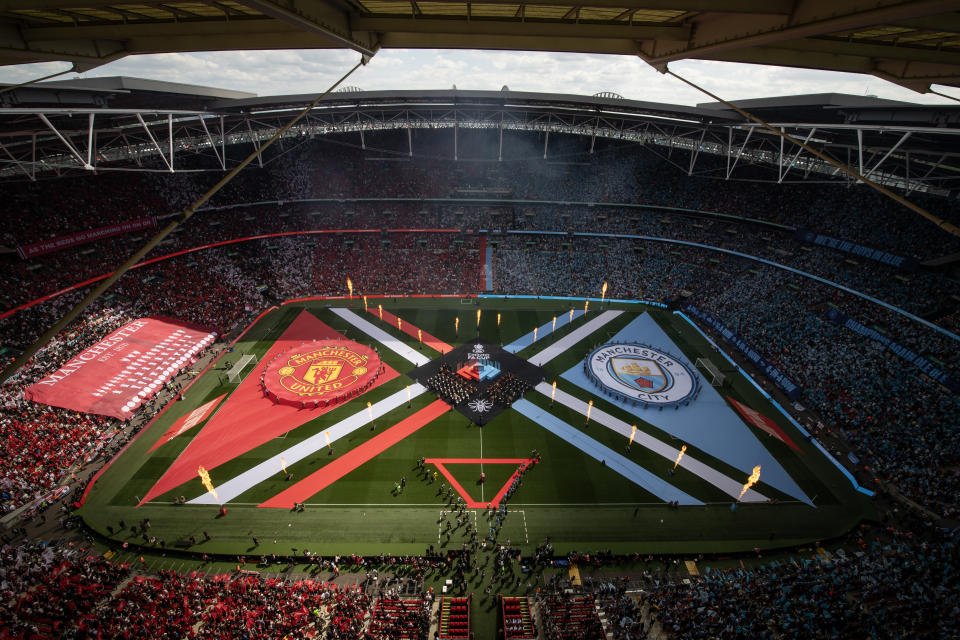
<point x="384" y="364"/>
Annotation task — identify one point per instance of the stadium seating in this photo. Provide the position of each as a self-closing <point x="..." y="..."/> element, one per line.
<point x="454" y="623"/>
<point x="571" y="618"/>
<point x="517" y="618"/>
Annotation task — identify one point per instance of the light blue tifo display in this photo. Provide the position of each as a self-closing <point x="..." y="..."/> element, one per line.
<point x="642" y="375"/>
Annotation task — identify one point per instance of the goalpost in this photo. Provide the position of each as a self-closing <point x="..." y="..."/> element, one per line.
<point x="235" y="375"/>
<point x="716" y="376"/>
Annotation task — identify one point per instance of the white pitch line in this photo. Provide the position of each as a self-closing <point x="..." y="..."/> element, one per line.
<point x="525" y="536"/>
<point x="573" y="338"/>
<point x="394" y="344"/>
<point x="721" y="481"/>
<point x="272" y="466"/>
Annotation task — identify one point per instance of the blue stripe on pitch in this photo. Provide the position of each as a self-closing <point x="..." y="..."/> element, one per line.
<point x="543" y="331"/>
<point x="622" y="465"/>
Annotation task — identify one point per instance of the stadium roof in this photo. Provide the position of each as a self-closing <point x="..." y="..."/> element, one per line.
<point x="132" y="124"/>
<point x="914" y="43"/>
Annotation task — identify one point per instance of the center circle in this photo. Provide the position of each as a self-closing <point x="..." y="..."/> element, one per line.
<point x="321" y="373"/>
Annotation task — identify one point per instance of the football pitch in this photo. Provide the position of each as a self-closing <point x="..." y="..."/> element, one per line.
<point x="589" y="490"/>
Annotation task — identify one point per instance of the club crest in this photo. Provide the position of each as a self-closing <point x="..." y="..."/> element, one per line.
<point x="641" y="373"/>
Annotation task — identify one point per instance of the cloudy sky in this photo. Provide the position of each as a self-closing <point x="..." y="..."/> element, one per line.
<point x="280" y="72"/>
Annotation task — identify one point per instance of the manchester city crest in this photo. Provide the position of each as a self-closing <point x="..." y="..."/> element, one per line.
<point x="642" y="373"/>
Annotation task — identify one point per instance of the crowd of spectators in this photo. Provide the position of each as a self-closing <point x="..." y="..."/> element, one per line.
<point x="900" y="589"/>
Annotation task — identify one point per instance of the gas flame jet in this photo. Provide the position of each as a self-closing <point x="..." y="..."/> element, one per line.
<point x="752" y="480"/>
<point x="205" y="479"/>
<point x="683" y="450"/>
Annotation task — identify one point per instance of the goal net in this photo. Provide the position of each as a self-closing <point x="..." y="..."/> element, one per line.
<point x="711" y="371"/>
<point x="235" y="375"/>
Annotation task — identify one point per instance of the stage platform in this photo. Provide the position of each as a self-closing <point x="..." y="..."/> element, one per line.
<point x="487" y="378"/>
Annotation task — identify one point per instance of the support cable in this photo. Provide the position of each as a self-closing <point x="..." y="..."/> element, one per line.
<point x="940" y="222"/>
<point x="177" y="221"/>
<point x="28" y="82"/>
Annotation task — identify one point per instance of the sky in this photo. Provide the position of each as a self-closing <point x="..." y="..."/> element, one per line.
<point x="313" y="71"/>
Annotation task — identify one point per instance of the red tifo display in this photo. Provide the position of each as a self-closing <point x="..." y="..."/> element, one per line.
<point x="248" y="418"/>
<point x="124" y="370"/>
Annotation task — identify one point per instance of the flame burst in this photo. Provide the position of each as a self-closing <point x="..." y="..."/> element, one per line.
<point x="370" y="408"/>
<point x="350" y="286"/>
<point x="535" y="334"/>
<point x="683" y="450"/>
<point x="554" y="327"/>
<point x="364" y="303"/>
<point x="603" y="292"/>
<point x="571" y="315"/>
<point x="553" y="394"/>
<point x="380" y="307"/>
<point x="420" y="335"/>
<point x="498" y="321"/>
<point x="326" y="434"/>
<point x="283" y="465"/>
<point x="752" y="480"/>
<point x="633" y="432"/>
<point x="589" y="409"/>
<point x="478" y="319"/>
<point x="399" y="324"/>
<point x="205" y="479"/>
<point x="586" y="305"/>
<point x="456" y="325"/>
<point x="408" y="394"/>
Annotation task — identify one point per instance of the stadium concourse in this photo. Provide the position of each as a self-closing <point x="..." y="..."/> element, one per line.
<point x="891" y="417"/>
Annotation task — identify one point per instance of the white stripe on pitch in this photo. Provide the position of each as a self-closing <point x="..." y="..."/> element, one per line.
<point x="394" y="344"/>
<point x="721" y="481"/>
<point x="272" y="466"/>
<point x="573" y="338"/>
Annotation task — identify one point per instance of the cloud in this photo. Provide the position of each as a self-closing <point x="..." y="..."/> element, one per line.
<point x="310" y="71"/>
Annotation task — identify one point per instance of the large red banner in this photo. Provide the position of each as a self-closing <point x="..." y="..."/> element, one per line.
<point x="82" y="237"/>
<point x="127" y="368"/>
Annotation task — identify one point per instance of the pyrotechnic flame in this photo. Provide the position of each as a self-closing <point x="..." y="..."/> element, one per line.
<point x="420" y="335"/>
<point x="283" y="465"/>
<point x="535" y="334"/>
<point x="205" y="479"/>
<point x="589" y="409"/>
<point x="350" y="286"/>
<point x="553" y="394"/>
<point x="633" y="432"/>
<point x="683" y="450"/>
<point x="364" y="303"/>
<point x="400" y="324"/>
<point x="408" y="393"/>
<point x="603" y="289"/>
<point x="498" y="321"/>
<point x="370" y="409"/>
<point x="554" y="327"/>
<point x="456" y="325"/>
<point x="752" y="480"/>
<point x="478" y="318"/>
<point x="380" y="307"/>
<point x="326" y="434"/>
<point x="586" y="305"/>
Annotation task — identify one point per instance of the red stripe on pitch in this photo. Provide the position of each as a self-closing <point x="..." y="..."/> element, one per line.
<point x="323" y="478"/>
<point x="411" y="330"/>
<point x="471" y="503"/>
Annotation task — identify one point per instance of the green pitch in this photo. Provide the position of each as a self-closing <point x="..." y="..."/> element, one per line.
<point x="578" y="502"/>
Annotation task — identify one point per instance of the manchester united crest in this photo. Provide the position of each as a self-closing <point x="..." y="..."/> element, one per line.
<point x="328" y="369"/>
<point x="319" y="373"/>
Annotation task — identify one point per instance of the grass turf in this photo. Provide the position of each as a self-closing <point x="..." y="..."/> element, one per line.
<point x="571" y="497"/>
